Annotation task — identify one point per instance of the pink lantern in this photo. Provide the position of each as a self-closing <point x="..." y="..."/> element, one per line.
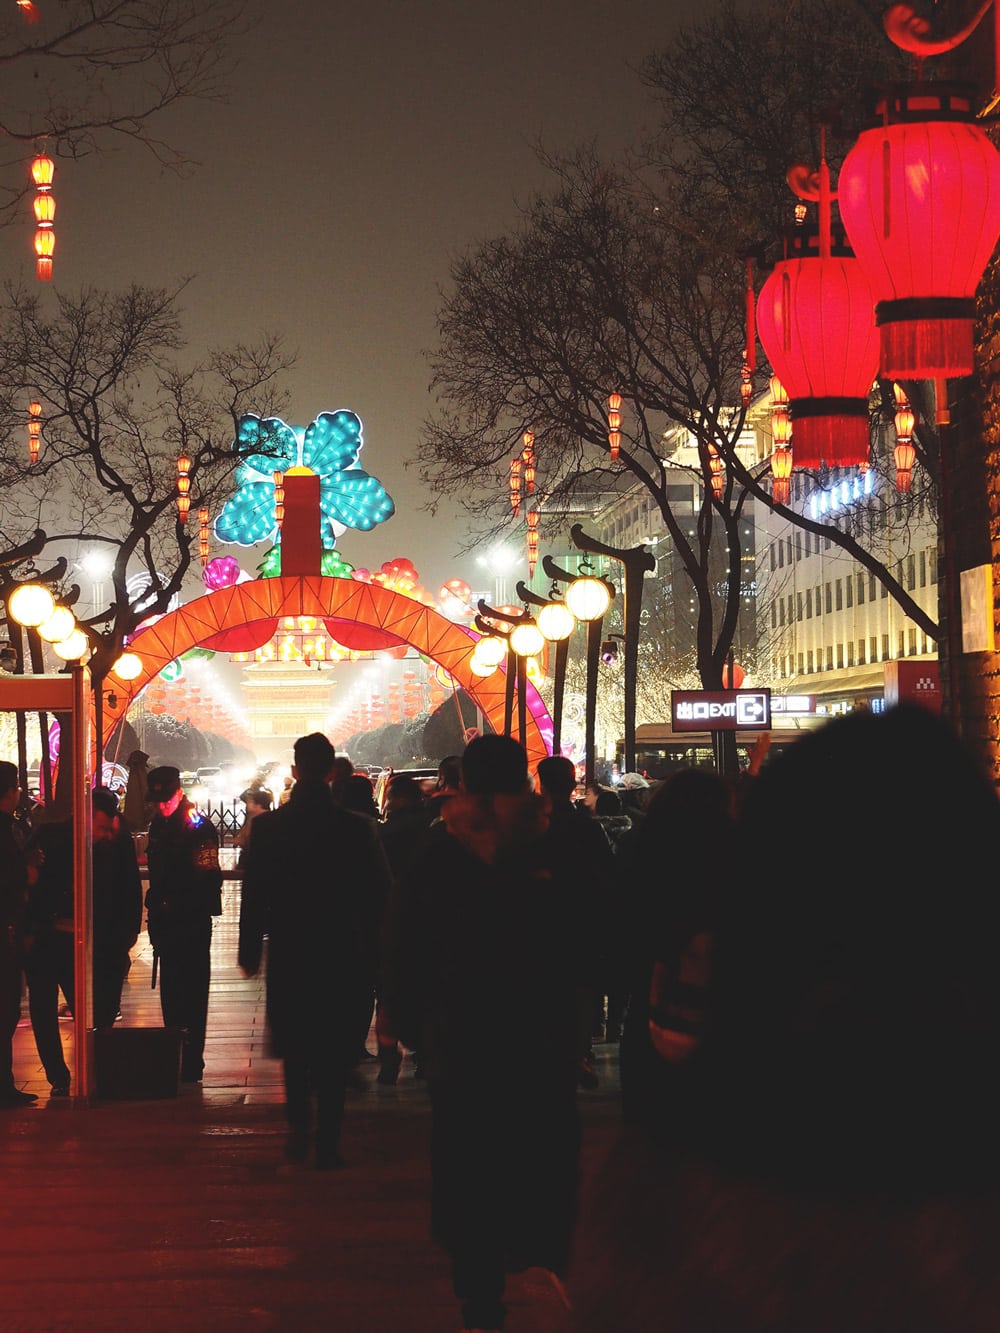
<point x="222" y="572"/>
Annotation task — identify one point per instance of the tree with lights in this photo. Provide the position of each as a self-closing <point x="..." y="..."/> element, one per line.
<point x="81" y="76"/>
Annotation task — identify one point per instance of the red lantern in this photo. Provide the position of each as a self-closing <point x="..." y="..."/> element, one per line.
<point x="920" y="199"/>
<point x="781" y="472"/>
<point x="739" y="676"/>
<point x="34" y="430"/>
<point x="183" y="487"/>
<point x="279" y="497"/>
<point x="203" y="536"/>
<point x="614" y="425"/>
<point x="528" y="461"/>
<point x="515" y="486"/>
<point x="42" y="173"/>
<point x="814" y="315"/>
<point x="717" y="471"/>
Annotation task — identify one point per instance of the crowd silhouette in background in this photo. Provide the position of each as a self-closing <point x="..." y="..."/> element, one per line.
<point x="800" y="970"/>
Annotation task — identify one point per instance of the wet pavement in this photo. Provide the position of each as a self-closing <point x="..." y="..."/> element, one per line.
<point x="181" y="1213"/>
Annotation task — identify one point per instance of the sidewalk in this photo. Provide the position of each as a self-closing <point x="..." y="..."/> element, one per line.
<point x="181" y="1213"/>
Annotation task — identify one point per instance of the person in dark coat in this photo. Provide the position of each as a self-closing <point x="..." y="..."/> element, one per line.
<point x="185" y="892"/>
<point x="833" y="1163"/>
<point x="49" y="961"/>
<point x="117" y="904"/>
<point x="14" y="880"/>
<point x="578" y="849"/>
<point x="478" y="948"/>
<point x="315" y="874"/>
<point x="404" y="831"/>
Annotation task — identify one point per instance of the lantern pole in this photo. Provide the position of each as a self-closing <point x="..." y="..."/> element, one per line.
<point x="636" y="561"/>
<point x="515" y="666"/>
<point x="561" y="656"/>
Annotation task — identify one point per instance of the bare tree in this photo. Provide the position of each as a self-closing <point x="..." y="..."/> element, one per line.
<point x="81" y="75"/>
<point x="119" y="407"/>
<point x="604" y="289"/>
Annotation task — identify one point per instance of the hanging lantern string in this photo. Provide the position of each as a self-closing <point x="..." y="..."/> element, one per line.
<point x="751" y="350"/>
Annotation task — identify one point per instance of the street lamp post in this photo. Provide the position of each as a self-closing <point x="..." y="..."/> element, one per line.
<point x="636" y="561"/>
<point x="556" y="622"/>
<point x="587" y="598"/>
<point x="518" y="651"/>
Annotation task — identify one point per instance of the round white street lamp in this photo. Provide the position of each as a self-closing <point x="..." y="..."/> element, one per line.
<point x="30" y="604"/>
<point x="73" y="647"/>
<point x="527" y="639"/>
<point x="556" y="621"/>
<point x="59" y="625"/>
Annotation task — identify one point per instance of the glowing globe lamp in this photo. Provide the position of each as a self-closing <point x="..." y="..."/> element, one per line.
<point x="920" y="199"/>
<point x="527" y="639"/>
<point x="588" y="598"/>
<point x="491" y="649"/>
<point x="128" y="666"/>
<point x="60" y="624"/>
<point x="816" y="324"/>
<point x="480" y="666"/>
<point x="72" y="648"/>
<point x="31" y="604"/>
<point x="556" y="621"/>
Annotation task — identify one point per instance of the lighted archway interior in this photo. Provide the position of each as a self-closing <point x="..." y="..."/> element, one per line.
<point x="245" y="615"/>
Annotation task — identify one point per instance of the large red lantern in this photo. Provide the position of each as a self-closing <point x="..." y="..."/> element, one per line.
<point x="815" y="321"/>
<point x="920" y="199"/>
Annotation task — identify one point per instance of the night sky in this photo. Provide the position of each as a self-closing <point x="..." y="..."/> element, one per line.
<point x="363" y="146"/>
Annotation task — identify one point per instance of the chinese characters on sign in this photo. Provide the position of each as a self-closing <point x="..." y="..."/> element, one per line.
<point x="720" y="710"/>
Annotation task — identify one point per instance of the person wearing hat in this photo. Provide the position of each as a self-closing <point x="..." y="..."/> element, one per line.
<point x="185" y="892"/>
<point x="256" y="800"/>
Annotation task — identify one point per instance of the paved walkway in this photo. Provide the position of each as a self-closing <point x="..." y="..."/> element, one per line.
<point x="180" y="1213"/>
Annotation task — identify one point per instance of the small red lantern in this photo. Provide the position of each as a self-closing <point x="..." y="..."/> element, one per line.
<point x="515" y="486"/>
<point x="34" y="430"/>
<point x="532" y="541"/>
<point x="739" y="676"/>
<point x="183" y="487"/>
<point x="279" y="497"/>
<point x="781" y="472"/>
<point x="203" y="536"/>
<point x="42" y="174"/>
<point x="904" y="454"/>
<point x="528" y="462"/>
<point x="920" y="199"/>
<point x="614" y="425"/>
<point x="814" y="314"/>
<point x="717" y="470"/>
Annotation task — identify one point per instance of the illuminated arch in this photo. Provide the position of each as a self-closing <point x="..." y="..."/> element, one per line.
<point x="399" y="618"/>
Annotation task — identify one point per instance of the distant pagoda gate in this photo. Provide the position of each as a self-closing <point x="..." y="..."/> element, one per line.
<point x="363" y="616"/>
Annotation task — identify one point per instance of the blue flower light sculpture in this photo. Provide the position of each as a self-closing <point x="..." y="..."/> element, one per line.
<point x="329" y="446"/>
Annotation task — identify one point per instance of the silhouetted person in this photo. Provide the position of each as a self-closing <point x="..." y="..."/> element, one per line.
<point x="14" y="881"/>
<point x="49" y="961"/>
<point x="117" y="904"/>
<point x="578" y="849"/>
<point x="838" y="1165"/>
<point x="671" y="871"/>
<point x="185" y="893"/>
<point x="403" y="832"/>
<point x="479" y="948"/>
<point x="255" y="801"/>
<point x="314" y="875"/>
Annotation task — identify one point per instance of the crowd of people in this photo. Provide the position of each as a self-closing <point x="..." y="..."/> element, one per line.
<point x="806" y="1040"/>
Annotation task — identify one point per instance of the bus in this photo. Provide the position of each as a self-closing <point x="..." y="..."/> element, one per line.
<point x="660" y="751"/>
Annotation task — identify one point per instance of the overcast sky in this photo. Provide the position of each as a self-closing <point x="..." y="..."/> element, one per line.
<point x="363" y="146"/>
